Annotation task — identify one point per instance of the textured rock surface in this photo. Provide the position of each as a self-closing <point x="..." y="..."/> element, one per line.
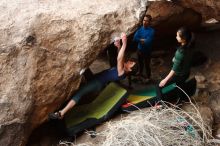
<point x="217" y="134"/>
<point x="168" y="17"/>
<point x="43" y="47"/>
<point x="208" y="8"/>
<point x="214" y="102"/>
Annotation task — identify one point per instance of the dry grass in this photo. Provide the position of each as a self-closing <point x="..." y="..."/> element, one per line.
<point x="164" y="126"/>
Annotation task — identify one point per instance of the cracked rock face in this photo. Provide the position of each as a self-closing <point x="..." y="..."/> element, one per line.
<point x="43" y="47"/>
<point x="168" y="17"/>
<point x="208" y="8"/>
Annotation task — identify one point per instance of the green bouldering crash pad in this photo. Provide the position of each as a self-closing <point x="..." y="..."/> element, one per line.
<point x="102" y="108"/>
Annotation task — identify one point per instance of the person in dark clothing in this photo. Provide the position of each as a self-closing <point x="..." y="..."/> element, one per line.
<point x="181" y="61"/>
<point x="112" y="53"/>
<point x="101" y="79"/>
<point x="144" y="37"/>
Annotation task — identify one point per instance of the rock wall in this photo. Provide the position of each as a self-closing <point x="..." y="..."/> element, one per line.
<point x="43" y="47"/>
<point x="208" y="8"/>
<point x="168" y="17"/>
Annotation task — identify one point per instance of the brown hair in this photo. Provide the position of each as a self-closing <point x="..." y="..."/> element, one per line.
<point x="135" y="68"/>
<point x="186" y="34"/>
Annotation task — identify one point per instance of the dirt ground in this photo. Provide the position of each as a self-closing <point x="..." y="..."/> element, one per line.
<point x="51" y="133"/>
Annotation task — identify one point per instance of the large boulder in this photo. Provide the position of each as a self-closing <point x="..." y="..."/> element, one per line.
<point x="43" y="47"/>
<point x="168" y="17"/>
<point x="208" y="8"/>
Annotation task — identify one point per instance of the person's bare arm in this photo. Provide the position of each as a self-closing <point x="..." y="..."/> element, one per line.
<point x="120" y="58"/>
<point x="168" y="77"/>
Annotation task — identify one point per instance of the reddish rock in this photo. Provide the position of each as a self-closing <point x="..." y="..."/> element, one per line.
<point x="208" y="8"/>
<point x="168" y="17"/>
